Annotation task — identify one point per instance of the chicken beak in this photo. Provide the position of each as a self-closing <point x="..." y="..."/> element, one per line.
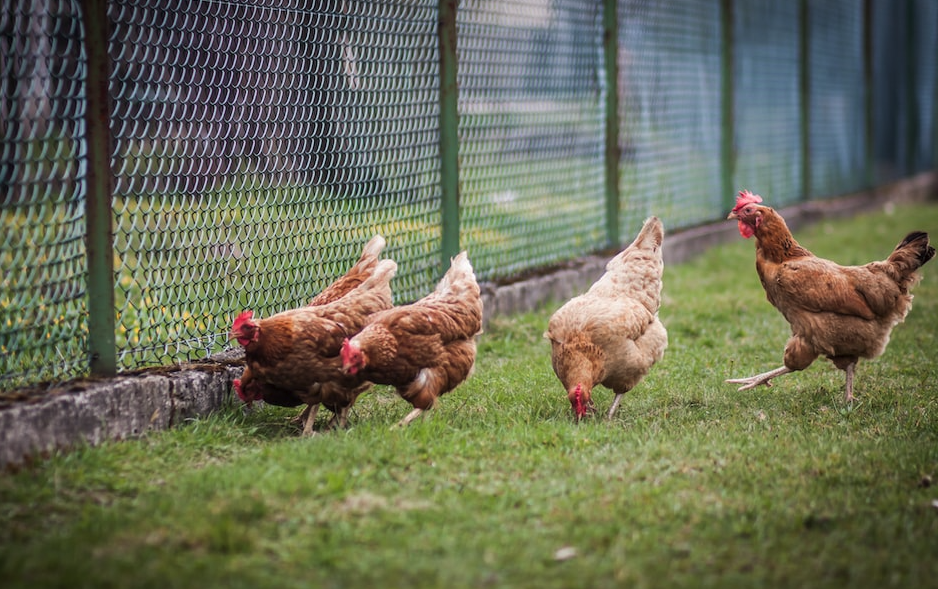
<point x="732" y="215"/>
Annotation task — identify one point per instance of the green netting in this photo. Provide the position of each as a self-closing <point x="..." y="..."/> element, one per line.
<point x="43" y="333"/>
<point x="256" y="149"/>
<point x="837" y="109"/>
<point x="767" y="99"/>
<point x="891" y="92"/>
<point x="925" y="82"/>
<point x="256" y="146"/>
<point x="671" y="128"/>
<point x="531" y="132"/>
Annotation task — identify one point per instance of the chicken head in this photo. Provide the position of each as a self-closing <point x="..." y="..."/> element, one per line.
<point x="245" y="329"/>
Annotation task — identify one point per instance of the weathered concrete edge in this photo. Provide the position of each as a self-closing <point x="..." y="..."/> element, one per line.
<point x="90" y="412"/>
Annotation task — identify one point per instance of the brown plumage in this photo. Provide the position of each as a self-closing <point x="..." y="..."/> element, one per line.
<point x="424" y="349"/>
<point x="842" y="312"/>
<point x="294" y="355"/>
<point x="357" y="274"/>
<point x="611" y="335"/>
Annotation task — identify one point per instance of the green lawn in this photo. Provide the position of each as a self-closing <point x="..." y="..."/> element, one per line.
<point x="692" y="485"/>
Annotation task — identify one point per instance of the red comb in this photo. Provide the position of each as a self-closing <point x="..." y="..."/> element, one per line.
<point x="241" y="319"/>
<point x="745" y="197"/>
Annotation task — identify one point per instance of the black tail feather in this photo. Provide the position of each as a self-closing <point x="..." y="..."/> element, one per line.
<point x="924" y="250"/>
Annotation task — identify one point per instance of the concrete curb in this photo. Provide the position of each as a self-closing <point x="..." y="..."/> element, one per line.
<point x="92" y="411"/>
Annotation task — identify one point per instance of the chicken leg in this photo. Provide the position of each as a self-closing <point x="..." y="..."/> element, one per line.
<point x="848" y="395"/>
<point x="311" y="412"/>
<point x="764" y="378"/>
<point x="615" y="405"/>
<point x="409" y="417"/>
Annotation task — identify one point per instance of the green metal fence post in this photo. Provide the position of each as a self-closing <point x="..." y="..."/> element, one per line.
<point x="869" y="163"/>
<point x="911" y="85"/>
<point x="610" y="56"/>
<point x="728" y="139"/>
<point x="804" y="76"/>
<point x="449" y="131"/>
<point x="99" y="238"/>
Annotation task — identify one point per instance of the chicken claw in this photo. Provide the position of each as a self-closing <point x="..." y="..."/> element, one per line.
<point x="754" y="381"/>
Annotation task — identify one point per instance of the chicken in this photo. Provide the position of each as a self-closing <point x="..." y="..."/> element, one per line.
<point x="611" y="335"/>
<point x="294" y="355"/>
<point x="357" y="274"/>
<point x="423" y="349"/>
<point x="842" y="312"/>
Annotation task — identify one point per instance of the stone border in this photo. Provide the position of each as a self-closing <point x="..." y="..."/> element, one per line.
<point x="92" y="411"/>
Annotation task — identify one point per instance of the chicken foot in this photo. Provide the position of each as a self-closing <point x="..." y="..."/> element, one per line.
<point x="409" y="417"/>
<point x="764" y="378"/>
<point x="311" y="412"/>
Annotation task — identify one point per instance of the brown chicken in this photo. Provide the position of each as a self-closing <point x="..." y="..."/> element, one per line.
<point x="842" y="312"/>
<point x="296" y="353"/>
<point x="423" y="349"/>
<point x="249" y="390"/>
<point x="611" y="335"/>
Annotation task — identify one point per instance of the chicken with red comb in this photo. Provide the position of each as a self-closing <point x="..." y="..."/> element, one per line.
<point x="842" y="312"/>
<point x="611" y="334"/>
<point x="745" y="199"/>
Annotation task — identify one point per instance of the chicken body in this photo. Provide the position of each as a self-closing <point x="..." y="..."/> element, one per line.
<point x="423" y="349"/>
<point x="611" y="335"/>
<point x="293" y="357"/>
<point x="356" y="275"/>
<point x="842" y="312"/>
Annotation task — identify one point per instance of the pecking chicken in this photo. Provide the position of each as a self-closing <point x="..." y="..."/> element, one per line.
<point x="611" y="335"/>
<point x="842" y="312"/>
<point x="358" y="273"/>
<point x="293" y="357"/>
<point x="423" y="349"/>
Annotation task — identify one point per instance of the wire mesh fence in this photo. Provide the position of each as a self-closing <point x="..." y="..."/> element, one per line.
<point x="670" y="103"/>
<point x="531" y="128"/>
<point x="256" y="146"/>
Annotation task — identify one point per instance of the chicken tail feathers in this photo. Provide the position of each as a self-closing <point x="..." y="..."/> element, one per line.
<point x="918" y="240"/>
<point x="372" y="249"/>
<point x="459" y="277"/>
<point x="912" y="253"/>
<point x="384" y="272"/>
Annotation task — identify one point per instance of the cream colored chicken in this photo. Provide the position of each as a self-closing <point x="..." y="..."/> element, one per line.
<point x="611" y="335"/>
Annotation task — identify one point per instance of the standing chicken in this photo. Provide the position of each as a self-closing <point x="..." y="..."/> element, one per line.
<point x="611" y="335"/>
<point x="424" y="349"/>
<point x="842" y="312"/>
<point x="295" y="354"/>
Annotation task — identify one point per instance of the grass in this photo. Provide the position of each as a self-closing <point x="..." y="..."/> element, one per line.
<point x="691" y="485"/>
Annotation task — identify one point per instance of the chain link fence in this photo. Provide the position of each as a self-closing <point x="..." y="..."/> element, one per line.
<point x="254" y="147"/>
